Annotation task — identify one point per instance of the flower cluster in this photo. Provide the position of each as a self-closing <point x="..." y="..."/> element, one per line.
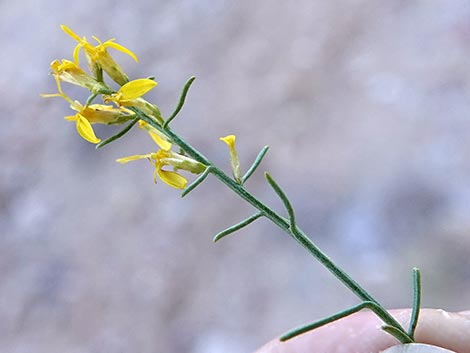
<point x="119" y="106"/>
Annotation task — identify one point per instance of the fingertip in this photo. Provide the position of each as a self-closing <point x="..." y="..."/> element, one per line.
<point x="445" y="329"/>
<point x="465" y="313"/>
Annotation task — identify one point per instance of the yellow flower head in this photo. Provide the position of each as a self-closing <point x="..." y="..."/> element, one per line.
<point x="234" y="161"/>
<point x="98" y="56"/>
<point x="130" y="95"/>
<point x="91" y="114"/>
<point x="164" y="158"/>
<point x="95" y="114"/>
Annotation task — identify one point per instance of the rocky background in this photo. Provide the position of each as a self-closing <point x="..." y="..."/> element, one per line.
<point x="365" y="105"/>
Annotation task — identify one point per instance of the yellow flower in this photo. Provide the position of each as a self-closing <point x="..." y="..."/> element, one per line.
<point x="131" y="91"/>
<point x="91" y="114"/>
<point x="234" y="161"/>
<point x="156" y="135"/>
<point x="95" y="114"/>
<point x="98" y="57"/>
<point x="164" y="158"/>
<point x="68" y="71"/>
<point x="129" y="95"/>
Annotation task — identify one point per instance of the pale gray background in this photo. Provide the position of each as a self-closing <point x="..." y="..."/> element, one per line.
<point x="365" y="105"/>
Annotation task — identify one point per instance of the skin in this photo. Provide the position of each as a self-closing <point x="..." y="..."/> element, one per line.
<point x="361" y="333"/>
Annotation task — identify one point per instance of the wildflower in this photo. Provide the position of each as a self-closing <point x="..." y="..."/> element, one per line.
<point x="98" y="57"/>
<point x="68" y="71"/>
<point x="164" y="158"/>
<point x="129" y="95"/>
<point x="234" y="161"/>
<point x="91" y="114"/>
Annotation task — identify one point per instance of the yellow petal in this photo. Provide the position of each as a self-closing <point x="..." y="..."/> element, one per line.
<point x="136" y="157"/>
<point x="172" y="178"/>
<point x="55" y="65"/>
<point x="234" y="161"/>
<point x="156" y="135"/>
<point x="121" y="48"/>
<point x="136" y="88"/>
<point x="85" y="130"/>
<point x="76" y="52"/>
<point x="229" y="140"/>
<point x="70" y="32"/>
<point x="58" y="66"/>
<point x="160" y="141"/>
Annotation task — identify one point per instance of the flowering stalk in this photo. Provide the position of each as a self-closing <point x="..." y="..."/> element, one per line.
<point x="130" y="106"/>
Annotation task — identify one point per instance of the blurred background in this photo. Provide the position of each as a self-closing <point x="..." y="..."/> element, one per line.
<point x="365" y="105"/>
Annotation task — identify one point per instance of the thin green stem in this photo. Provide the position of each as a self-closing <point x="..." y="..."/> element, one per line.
<point x="91" y="99"/>
<point x="285" y="225"/>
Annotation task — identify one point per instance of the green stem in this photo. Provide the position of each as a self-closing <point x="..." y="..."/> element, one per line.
<point x="294" y="232"/>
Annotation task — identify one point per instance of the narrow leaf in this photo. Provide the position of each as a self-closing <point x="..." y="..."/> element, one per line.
<point x="237" y="226"/>
<point x="284" y="199"/>
<point x="118" y="135"/>
<point x="255" y="164"/>
<point x="416" y="302"/>
<point x="196" y="182"/>
<point x="184" y="92"/>
<point x="319" y="323"/>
